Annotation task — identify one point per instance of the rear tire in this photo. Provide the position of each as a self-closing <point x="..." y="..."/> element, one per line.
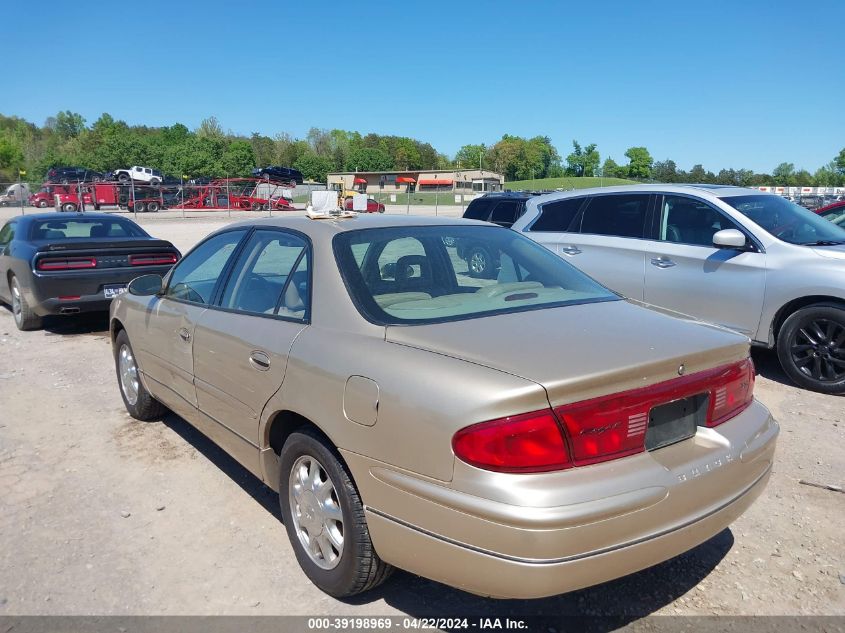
<point x="139" y="403"/>
<point x="69" y="207"/>
<point x="152" y="207"/>
<point x="139" y="207"/>
<point x="811" y="348"/>
<point x="327" y="509"/>
<point x="25" y="318"/>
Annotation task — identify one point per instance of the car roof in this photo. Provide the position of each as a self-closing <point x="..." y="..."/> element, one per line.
<point x="331" y="227"/>
<point x="64" y="216"/>
<point x="713" y="190"/>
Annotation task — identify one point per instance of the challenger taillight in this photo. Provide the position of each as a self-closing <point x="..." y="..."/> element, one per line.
<point x="152" y="259"/>
<point x="66" y="263"/>
<point x="599" y="429"/>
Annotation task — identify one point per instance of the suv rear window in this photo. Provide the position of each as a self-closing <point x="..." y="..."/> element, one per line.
<point x="557" y="216"/>
<point x="619" y="216"/>
<point x="506" y="212"/>
<point x="479" y="209"/>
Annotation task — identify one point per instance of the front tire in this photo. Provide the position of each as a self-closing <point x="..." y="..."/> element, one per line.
<point x="69" y="207"/>
<point x="42" y="204"/>
<point x="324" y="518"/>
<point x="138" y="401"/>
<point x="25" y="318"/>
<point x="811" y="348"/>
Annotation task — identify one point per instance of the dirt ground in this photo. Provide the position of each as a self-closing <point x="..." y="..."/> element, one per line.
<point x="100" y="514"/>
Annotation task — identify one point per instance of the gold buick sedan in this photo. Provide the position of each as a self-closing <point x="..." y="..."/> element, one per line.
<point x="516" y="435"/>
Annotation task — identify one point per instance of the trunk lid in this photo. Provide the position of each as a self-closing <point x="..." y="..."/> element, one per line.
<point x="582" y="351"/>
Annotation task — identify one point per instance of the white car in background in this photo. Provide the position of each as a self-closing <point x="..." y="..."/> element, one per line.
<point x="137" y="173"/>
<point x="750" y="261"/>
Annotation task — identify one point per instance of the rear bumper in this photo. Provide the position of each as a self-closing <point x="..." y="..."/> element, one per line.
<point x="43" y="291"/>
<point x="557" y="532"/>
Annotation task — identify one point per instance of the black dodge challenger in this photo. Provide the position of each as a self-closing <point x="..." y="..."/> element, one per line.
<point x="67" y="264"/>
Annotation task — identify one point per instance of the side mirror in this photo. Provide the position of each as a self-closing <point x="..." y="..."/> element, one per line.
<point x="729" y="238"/>
<point x="145" y="285"/>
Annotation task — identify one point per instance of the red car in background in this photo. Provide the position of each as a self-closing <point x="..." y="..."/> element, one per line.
<point x="372" y="205"/>
<point x="834" y="212"/>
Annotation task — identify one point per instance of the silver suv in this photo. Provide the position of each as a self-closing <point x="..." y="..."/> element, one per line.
<point x="750" y="261"/>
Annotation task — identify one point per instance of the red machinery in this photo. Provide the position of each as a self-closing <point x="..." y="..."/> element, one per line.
<point x="245" y="194"/>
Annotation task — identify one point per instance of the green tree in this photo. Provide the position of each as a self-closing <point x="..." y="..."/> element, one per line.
<point x="238" y="159"/>
<point x="67" y="124"/>
<point x="839" y="161"/>
<point x="611" y="169"/>
<point x="665" y="171"/>
<point x="784" y="175"/>
<point x="639" y="162"/>
<point x="314" y="167"/>
<point x="368" y="159"/>
<point x="470" y="156"/>
<point x="210" y="128"/>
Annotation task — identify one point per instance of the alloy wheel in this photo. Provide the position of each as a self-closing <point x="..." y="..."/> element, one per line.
<point x="17" y="308"/>
<point x="128" y="374"/>
<point x="818" y="350"/>
<point x="478" y="263"/>
<point x="316" y="513"/>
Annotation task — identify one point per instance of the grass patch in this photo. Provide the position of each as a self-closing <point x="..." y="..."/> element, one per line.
<point x="567" y="182"/>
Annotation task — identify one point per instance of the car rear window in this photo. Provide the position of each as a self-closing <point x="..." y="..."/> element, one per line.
<point x="430" y="274"/>
<point x="87" y="228"/>
<point x="616" y="215"/>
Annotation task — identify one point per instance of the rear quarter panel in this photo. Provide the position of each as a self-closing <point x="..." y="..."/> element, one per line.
<point x="424" y="398"/>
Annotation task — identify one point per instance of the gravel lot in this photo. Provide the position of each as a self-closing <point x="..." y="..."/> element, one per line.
<point x="100" y="514"/>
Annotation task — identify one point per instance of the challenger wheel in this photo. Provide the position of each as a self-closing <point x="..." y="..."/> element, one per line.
<point x="811" y="348"/>
<point x="137" y="400"/>
<point x="25" y="319"/>
<point x="324" y="518"/>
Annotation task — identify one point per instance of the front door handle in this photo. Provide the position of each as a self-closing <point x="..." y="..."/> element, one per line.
<point x="260" y="360"/>
<point x="571" y="250"/>
<point x="662" y="262"/>
<point x="184" y="334"/>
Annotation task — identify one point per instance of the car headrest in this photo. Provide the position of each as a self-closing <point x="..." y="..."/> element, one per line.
<point x="404" y="267"/>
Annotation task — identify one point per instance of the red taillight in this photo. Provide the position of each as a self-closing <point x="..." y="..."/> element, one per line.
<point x="67" y="263"/>
<point x="732" y="392"/>
<point x="152" y="259"/>
<point x="600" y="429"/>
<point x="531" y="442"/>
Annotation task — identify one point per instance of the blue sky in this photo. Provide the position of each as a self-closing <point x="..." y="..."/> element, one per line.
<point x="728" y="84"/>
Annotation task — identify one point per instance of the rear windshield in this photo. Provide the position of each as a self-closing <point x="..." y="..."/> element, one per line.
<point x="405" y="275"/>
<point x="786" y="220"/>
<point x="96" y="228"/>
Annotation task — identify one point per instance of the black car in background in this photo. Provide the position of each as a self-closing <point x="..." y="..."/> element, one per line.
<point x="65" y="175"/>
<point x="70" y="263"/>
<point x="279" y="174"/>
<point x="500" y="207"/>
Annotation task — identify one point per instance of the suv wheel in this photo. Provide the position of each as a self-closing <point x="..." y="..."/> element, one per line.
<point x="480" y="263"/>
<point x="811" y="348"/>
<point x="123" y="177"/>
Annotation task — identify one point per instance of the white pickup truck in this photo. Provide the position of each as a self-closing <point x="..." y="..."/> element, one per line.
<point x="139" y="174"/>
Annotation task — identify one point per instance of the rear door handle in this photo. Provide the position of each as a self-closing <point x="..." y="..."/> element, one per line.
<point x="260" y="360"/>
<point x="662" y="262"/>
<point x="184" y="334"/>
<point x="570" y="250"/>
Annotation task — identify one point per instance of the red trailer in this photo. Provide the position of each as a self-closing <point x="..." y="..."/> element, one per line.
<point x="237" y="193"/>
